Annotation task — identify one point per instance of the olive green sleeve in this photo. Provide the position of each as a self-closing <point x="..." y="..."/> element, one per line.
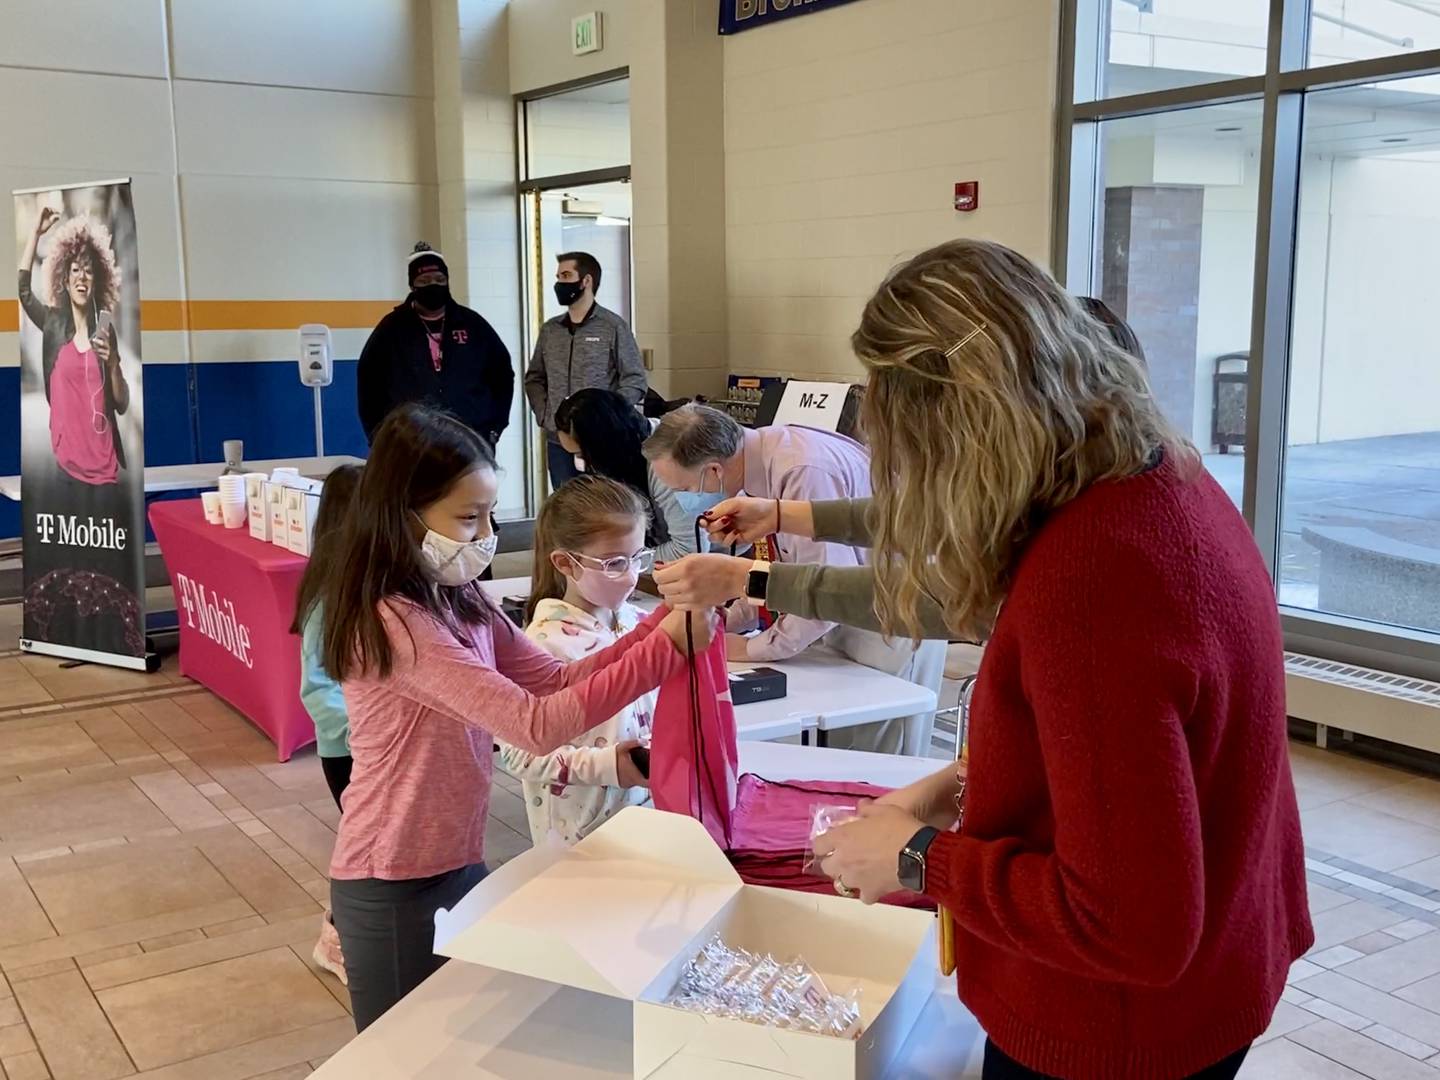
<point x="843" y="521"/>
<point x="841" y="594"/>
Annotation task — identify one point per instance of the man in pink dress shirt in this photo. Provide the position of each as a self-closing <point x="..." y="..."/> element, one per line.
<point x="702" y="450"/>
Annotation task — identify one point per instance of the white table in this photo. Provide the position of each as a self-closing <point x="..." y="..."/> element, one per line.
<point x="472" y="1023"/>
<point x="159" y="478"/>
<point x="824" y="690"/>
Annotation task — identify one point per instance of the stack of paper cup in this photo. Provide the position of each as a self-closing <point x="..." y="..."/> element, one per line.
<point x="213" y="514"/>
<point x="232" y="501"/>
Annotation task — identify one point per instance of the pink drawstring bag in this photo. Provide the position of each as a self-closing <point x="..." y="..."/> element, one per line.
<point x="694" y="759"/>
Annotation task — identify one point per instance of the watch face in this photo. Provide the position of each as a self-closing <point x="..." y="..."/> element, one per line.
<point x="912" y="871"/>
<point x="759" y="585"/>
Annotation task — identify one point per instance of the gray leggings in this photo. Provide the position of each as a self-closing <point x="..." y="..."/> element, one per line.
<point x="387" y="932"/>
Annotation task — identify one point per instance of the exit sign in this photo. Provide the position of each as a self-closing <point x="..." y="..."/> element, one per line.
<point x="585" y="34"/>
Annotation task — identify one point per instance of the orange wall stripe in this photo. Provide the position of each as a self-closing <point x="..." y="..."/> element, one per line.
<point x="241" y="314"/>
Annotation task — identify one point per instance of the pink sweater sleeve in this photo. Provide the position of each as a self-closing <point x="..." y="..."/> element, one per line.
<point x="527" y="664"/>
<point x="439" y="673"/>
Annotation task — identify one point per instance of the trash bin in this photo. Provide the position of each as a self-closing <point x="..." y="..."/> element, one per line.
<point x="1230" y="401"/>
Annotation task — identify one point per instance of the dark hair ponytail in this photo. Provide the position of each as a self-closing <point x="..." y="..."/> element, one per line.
<point x="610" y="433"/>
<point x="339" y="492"/>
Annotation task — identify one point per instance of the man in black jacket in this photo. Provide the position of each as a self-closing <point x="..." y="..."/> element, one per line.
<point x="434" y="351"/>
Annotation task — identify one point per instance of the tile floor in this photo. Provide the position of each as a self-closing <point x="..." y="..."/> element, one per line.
<point x="161" y="879"/>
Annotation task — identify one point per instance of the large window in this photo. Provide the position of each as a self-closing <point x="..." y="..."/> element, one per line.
<point x="1251" y="184"/>
<point x="574" y="157"/>
<point x="1175" y="253"/>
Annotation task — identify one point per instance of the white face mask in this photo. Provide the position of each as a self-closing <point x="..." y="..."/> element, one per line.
<point x="455" y="562"/>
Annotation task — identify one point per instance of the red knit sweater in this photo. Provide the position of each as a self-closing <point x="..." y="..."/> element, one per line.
<point x="1129" y="886"/>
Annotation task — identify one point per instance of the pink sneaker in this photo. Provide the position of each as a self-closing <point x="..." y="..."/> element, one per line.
<point x="327" y="950"/>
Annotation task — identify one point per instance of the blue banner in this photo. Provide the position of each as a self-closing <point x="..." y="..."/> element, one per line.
<point x="737" y="15"/>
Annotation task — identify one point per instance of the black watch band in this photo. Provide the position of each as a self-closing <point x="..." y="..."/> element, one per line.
<point x="913" y="857"/>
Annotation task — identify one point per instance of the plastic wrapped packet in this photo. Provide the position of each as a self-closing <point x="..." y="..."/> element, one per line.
<point x="823" y="818"/>
<point x="741" y="985"/>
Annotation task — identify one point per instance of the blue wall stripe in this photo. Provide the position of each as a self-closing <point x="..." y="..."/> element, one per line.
<point x="261" y="403"/>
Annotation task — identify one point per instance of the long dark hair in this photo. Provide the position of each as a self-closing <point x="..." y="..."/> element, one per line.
<point x="335" y="500"/>
<point x="577" y="512"/>
<point x="417" y="456"/>
<point x="610" y="433"/>
<point x="1121" y="332"/>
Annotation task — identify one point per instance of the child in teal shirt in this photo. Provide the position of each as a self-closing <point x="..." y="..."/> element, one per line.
<point x="319" y="693"/>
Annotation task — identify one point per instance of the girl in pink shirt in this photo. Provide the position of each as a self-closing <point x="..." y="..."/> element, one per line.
<point x="432" y="673"/>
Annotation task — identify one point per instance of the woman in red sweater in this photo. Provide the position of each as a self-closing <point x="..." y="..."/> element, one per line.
<point x="1128" y="880"/>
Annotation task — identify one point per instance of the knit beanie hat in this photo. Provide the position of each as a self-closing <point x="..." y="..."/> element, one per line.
<point x="423" y="258"/>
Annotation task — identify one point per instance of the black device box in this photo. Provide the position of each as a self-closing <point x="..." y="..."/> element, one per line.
<point x="759" y="684"/>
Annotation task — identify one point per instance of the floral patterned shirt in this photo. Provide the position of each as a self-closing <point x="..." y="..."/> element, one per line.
<point x="574" y="790"/>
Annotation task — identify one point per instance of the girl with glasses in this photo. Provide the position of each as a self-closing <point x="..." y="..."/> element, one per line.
<point x="589" y="555"/>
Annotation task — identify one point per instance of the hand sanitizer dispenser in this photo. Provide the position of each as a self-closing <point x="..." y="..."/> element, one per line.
<point x="316" y="371"/>
<point x="316" y="366"/>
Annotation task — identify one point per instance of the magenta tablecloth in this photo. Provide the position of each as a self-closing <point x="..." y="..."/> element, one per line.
<point x="235" y="600"/>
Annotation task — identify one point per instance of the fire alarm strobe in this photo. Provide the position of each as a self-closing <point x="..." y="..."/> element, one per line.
<point x="967" y="196"/>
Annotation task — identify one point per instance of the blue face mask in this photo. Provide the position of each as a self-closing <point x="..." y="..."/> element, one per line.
<point x="697" y="503"/>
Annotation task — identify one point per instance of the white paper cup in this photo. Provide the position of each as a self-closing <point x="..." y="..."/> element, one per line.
<point x="235" y="515"/>
<point x="213" y="513"/>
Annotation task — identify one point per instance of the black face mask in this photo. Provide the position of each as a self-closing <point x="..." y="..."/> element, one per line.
<point x="567" y="292"/>
<point x="431" y="297"/>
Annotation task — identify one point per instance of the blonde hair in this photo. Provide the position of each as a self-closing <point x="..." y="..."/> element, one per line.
<point x="575" y="514"/>
<point x="993" y="400"/>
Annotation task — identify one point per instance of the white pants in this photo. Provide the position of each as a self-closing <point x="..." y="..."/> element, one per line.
<point x="923" y="665"/>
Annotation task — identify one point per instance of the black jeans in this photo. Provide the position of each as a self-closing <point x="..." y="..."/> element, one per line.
<point x="337" y="774"/>
<point x="999" y="1066"/>
<point x="387" y="932"/>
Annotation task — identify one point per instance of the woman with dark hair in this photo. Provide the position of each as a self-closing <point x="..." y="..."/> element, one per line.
<point x="605" y="433"/>
<point x="432" y="674"/>
<point x="81" y="361"/>
<point x="1121" y="332"/>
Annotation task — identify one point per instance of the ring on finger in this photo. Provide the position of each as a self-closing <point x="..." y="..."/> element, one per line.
<point x="843" y="889"/>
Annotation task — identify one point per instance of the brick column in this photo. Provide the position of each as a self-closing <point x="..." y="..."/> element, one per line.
<point x="1151" y="271"/>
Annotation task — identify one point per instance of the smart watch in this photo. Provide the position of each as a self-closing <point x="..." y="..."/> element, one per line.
<point x="912" y="859"/>
<point x="757" y="587"/>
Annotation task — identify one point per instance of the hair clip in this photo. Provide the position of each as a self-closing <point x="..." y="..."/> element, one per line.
<point x="979" y="329"/>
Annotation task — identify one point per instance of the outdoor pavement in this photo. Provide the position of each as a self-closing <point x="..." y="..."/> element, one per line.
<point x="1389" y="485"/>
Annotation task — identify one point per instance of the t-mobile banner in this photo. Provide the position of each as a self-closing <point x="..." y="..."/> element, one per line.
<point x="737" y="15"/>
<point x="82" y="446"/>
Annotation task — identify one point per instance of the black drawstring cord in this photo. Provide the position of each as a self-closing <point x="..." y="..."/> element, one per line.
<point x="697" y="724"/>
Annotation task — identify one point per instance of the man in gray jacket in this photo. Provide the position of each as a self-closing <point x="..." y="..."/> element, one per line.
<point x="588" y="346"/>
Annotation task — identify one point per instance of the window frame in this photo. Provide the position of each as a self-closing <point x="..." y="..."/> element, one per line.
<point x="1078" y="203"/>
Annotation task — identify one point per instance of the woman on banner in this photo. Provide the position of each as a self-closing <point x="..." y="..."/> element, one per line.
<point x="1120" y="853"/>
<point x="84" y="384"/>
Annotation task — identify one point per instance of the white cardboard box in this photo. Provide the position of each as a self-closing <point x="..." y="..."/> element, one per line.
<point x="279" y="523"/>
<point x="300" y="510"/>
<point x="626" y="909"/>
<point x="256" y="506"/>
